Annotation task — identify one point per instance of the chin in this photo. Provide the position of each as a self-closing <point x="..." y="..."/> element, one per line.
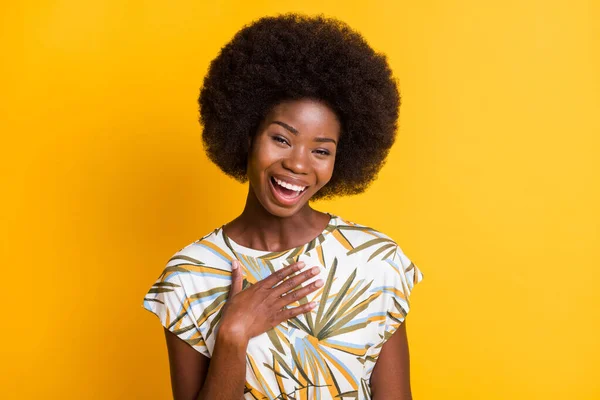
<point x="281" y="211"/>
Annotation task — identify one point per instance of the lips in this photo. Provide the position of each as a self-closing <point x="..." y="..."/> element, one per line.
<point x="286" y="195"/>
<point x="289" y="186"/>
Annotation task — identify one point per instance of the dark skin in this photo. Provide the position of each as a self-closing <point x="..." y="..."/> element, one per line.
<point x="296" y="142"/>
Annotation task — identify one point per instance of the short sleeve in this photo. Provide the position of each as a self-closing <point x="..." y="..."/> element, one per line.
<point x="405" y="275"/>
<point x="167" y="299"/>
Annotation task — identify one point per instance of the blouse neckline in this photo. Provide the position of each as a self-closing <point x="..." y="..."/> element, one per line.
<point x="288" y="253"/>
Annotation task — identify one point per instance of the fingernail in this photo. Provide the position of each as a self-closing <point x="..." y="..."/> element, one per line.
<point x="319" y="283"/>
<point x="312" y="304"/>
<point x="301" y="263"/>
<point x="234" y="264"/>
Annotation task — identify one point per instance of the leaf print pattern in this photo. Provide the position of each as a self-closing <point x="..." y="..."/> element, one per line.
<point x="329" y="352"/>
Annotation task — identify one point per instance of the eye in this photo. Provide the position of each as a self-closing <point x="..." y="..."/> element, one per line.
<point x="280" y="140"/>
<point x="322" y="152"/>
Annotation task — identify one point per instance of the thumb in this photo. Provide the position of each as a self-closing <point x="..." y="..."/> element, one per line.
<point x="236" y="278"/>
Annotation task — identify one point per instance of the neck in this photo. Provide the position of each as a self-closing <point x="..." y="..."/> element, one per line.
<point x="257" y="228"/>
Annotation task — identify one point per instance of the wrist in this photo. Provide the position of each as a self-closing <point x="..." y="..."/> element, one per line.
<point x="232" y="335"/>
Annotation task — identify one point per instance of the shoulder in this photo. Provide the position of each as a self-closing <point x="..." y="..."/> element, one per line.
<point x="370" y="243"/>
<point x="379" y="250"/>
<point x="205" y="257"/>
<point x="361" y="236"/>
<point x="202" y="250"/>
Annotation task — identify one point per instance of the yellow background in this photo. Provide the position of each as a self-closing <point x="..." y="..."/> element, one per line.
<point x="492" y="188"/>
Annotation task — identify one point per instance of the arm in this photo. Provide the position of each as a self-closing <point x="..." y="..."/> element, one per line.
<point x="195" y="376"/>
<point x="188" y="368"/>
<point x="391" y="376"/>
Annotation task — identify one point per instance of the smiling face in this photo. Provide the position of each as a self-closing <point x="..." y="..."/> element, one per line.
<point x="292" y="155"/>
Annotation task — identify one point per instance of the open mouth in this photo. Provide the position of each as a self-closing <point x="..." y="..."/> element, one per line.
<point x="286" y="192"/>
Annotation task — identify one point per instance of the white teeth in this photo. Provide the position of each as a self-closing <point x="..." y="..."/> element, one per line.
<point x="289" y="185"/>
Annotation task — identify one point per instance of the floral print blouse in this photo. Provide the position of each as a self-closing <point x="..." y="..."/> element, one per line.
<point x="327" y="353"/>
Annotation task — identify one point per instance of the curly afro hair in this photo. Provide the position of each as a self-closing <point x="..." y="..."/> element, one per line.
<point x="290" y="57"/>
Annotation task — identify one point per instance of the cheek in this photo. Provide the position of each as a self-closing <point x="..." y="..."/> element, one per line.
<point x="325" y="171"/>
<point x="261" y="157"/>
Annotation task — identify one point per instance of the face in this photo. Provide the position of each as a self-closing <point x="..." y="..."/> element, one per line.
<point x="292" y="155"/>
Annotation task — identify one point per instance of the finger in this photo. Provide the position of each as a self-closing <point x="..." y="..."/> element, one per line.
<point x="293" y="282"/>
<point x="280" y="275"/>
<point x="236" y="278"/>
<point x="298" y="294"/>
<point x="295" y="311"/>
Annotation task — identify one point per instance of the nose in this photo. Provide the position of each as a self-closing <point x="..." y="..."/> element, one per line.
<point x="297" y="161"/>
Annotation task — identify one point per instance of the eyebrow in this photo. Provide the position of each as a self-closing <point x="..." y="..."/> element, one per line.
<point x="295" y="132"/>
<point x="286" y="126"/>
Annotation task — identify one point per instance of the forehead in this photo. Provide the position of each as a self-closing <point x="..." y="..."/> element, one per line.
<point x="306" y="116"/>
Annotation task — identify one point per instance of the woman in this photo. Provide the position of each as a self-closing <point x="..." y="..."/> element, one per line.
<point x="286" y="301"/>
